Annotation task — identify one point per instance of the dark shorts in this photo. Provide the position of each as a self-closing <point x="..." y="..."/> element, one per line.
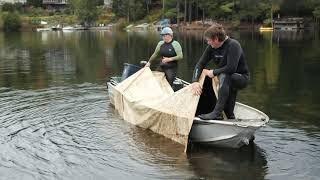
<point x="170" y="70"/>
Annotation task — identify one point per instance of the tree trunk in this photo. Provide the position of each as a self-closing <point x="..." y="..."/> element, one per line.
<point x="163" y="9"/>
<point x="178" y="11"/>
<point x="190" y="11"/>
<point x="147" y="3"/>
<point x="197" y="9"/>
<point x="128" y="12"/>
<point x="185" y="11"/>
<point x="271" y="15"/>
<point x="203" y="16"/>
<point x="252" y="22"/>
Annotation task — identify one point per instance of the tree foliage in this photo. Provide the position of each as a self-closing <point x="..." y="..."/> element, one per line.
<point x="85" y="10"/>
<point x="131" y="9"/>
<point x="316" y="12"/>
<point x="7" y="7"/>
<point x="189" y="10"/>
<point x="244" y="10"/>
<point x="35" y="3"/>
<point x="11" y="7"/>
<point x="11" y="21"/>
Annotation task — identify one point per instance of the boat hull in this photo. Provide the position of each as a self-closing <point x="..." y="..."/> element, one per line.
<point x="219" y="134"/>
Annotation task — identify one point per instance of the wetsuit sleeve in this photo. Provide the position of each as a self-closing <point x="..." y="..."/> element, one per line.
<point x="156" y="52"/>
<point x="203" y="61"/>
<point x="178" y="50"/>
<point x="233" y="57"/>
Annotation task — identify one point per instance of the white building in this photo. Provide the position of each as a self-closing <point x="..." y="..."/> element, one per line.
<point x="55" y="2"/>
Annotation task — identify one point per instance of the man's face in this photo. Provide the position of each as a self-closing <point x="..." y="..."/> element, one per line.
<point x="213" y="42"/>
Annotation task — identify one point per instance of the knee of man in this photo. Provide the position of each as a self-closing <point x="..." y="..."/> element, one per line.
<point x="238" y="81"/>
<point x="223" y="77"/>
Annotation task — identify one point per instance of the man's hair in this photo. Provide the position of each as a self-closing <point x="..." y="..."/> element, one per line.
<point x="215" y="31"/>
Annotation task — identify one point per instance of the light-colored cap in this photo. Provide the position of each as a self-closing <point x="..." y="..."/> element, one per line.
<point x="166" y="30"/>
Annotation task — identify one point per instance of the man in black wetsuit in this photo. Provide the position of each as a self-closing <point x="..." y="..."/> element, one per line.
<point x="232" y="70"/>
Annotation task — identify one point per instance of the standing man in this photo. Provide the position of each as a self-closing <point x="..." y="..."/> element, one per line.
<point x="232" y="70"/>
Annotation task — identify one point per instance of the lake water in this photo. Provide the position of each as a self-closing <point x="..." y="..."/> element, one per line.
<point x="56" y="121"/>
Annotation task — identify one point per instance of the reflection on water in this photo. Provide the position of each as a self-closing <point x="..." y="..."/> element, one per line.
<point x="248" y="162"/>
<point x="29" y="61"/>
<point x="56" y="121"/>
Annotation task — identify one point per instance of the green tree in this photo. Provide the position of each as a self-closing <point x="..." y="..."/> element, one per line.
<point x="244" y="10"/>
<point x="170" y="9"/>
<point x="11" y="21"/>
<point x="120" y="7"/>
<point x="252" y="10"/>
<point x="132" y="9"/>
<point x="297" y="8"/>
<point x="138" y="9"/>
<point x="316" y="14"/>
<point x="204" y="6"/>
<point x="85" y="10"/>
<point x="8" y="7"/>
<point x="227" y="9"/>
<point x="100" y="2"/>
<point x="19" y="7"/>
<point x="315" y="6"/>
<point x="35" y="3"/>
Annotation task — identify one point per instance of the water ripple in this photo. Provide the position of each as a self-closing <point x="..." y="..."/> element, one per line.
<point x="73" y="133"/>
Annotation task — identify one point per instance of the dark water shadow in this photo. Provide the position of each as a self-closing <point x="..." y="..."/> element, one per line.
<point x="248" y="162"/>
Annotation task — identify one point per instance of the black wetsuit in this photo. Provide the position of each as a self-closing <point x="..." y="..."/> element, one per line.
<point x="171" y="50"/>
<point x="232" y="71"/>
<point x="169" y="68"/>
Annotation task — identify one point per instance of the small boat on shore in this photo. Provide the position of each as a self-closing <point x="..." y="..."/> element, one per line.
<point x="56" y="28"/>
<point x="262" y="29"/>
<point x="43" y="29"/>
<point x="231" y="133"/>
<point x="68" y="28"/>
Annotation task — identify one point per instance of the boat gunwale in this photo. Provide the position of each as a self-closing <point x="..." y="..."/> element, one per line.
<point x="229" y="122"/>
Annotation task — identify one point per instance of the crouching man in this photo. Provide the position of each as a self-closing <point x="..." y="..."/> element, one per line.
<point x="232" y="71"/>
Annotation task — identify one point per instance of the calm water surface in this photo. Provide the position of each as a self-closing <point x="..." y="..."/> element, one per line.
<point x="56" y="121"/>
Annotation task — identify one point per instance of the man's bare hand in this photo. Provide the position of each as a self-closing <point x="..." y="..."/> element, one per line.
<point x="208" y="73"/>
<point x="196" y="88"/>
